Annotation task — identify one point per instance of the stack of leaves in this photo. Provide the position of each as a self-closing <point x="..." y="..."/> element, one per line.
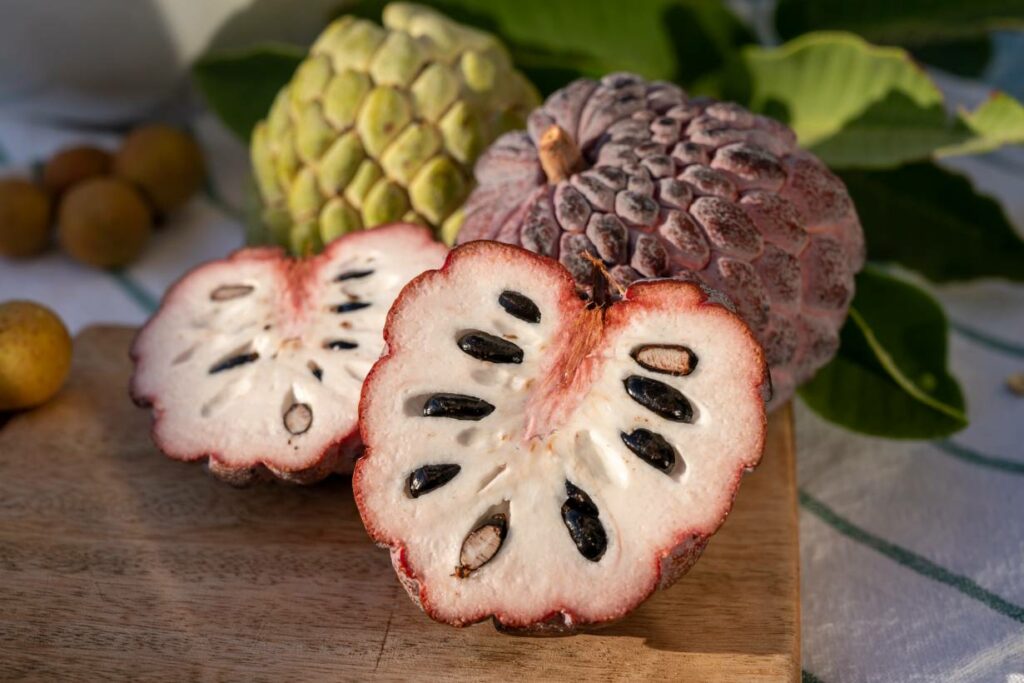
<point x="872" y="113"/>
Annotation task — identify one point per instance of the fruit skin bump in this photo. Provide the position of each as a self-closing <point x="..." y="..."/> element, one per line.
<point x="658" y="184"/>
<point x="381" y="124"/>
<point x="35" y="354"/>
<point x="24" y="219"/>
<point x="253" y="363"/>
<point x="533" y="488"/>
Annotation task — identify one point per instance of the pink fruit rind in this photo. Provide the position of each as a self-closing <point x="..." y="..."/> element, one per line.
<point x="339" y="453"/>
<point x="669" y="562"/>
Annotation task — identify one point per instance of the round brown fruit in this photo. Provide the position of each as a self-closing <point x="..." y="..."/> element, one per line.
<point x="35" y="354"/>
<point x="163" y="162"/>
<point x="24" y="218"/>
<point x="103" y="222"/>
<point x="73" y="165"/>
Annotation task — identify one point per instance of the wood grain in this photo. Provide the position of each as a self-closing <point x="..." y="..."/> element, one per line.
<point x="116" y="562"/>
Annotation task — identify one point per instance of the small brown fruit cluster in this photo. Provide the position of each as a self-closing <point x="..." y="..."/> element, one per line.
<point x="104" y="204"/>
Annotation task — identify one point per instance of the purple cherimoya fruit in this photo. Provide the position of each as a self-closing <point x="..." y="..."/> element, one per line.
<point x="658" y="184"/>
<point x="255" y="362"/>
<point x="546" y="461"/>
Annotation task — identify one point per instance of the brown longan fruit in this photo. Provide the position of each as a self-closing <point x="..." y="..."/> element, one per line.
<point x="104" y="222"/>
<point x="163" y="162"/>
<point x="24" y="218"/>
<point x="35" y="354"/>
<point x="72" y="165"/>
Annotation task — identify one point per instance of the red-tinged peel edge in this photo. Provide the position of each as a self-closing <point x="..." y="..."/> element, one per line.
<point x="559" y="416"/>
<point x="253" y="363"/>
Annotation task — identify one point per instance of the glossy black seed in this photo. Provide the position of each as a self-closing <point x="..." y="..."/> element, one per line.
<point x="578" y="498"/>
<point x="580" y="516"/>
<point x="651" y="447"/>
<point x="340" y="344"/>
<point x="519" y="306"/>
<point x="429" y="477"/>
<point x="353" y="275"/>
<point x="668" y="359"/>
<point x="659" y="398"/>
<point x="490" y="348"/>
<point x="233" y="362"/>
<point x="457" y="406"/>
<point x="350" y="306"/>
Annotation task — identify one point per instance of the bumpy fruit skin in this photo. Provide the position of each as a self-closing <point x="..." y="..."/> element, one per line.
<point x="163" y="162"/>
<point x="71" y="166"/>
<point x="24" y="218"/>
<point x="103" y="222"/>
<point x="35" y="354"/>
<point x="381" y="124"/>
<point x="671" y="186"/>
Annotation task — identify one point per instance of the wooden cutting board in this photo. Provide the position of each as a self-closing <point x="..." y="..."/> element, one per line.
<point x="117" y="562"/>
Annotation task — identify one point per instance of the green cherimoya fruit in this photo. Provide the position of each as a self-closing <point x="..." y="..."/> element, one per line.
<point x="381" y="124"/>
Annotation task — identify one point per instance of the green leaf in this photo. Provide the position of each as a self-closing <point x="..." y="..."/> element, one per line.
<point x="905" y="22"/>
<point x="857" y="105"/>
<point x="890" y="377"/>
<point x="998" y="121"/>
<point x="554" y="42"/>
<point x="933" y="221"/>
<point x="822" y="81"/>
<point x="240" y="85"/>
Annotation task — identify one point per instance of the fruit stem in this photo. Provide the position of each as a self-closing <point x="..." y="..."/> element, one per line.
<point x="559" y="155"/>
<point x="604" y="281"/>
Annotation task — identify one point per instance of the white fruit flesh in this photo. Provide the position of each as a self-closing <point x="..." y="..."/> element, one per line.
<point x="558" y="416"/>
<point x="249" y="361"/>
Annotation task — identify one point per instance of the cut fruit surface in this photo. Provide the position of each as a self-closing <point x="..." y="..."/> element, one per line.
<point x="256" y="361"/>
<point x="546" y="461"/>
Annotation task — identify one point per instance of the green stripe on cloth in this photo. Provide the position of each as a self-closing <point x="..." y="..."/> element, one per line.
<point x="988" y="340"/>
<point x="975" y="458"/>
<point x="911" y="560"/>
<point x="146" y="301"/>
<point x="807" y="677"/>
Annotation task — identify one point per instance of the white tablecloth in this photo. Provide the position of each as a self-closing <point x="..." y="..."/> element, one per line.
<point x="912" y="552"/>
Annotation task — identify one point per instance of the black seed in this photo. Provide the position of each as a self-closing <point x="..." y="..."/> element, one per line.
<point x="349" y="306"/>
<point x="579" y="499"/>
<point x="580" y="516"/>
<point x="482" y="544"/>
<point x="668" y="359"/>
<point x="298" y="418"/>
<point x="429" y="477"/>
<point x="233" y="362"/>
<point x="353" y="275"/>
<point x="457" y="406"/>
<point x="340" y="344"/>
<point x="487" y="347"/>
<point x="519" y="306"/>
<point x="651" y="447"/>
<point x="659" y="398"/>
